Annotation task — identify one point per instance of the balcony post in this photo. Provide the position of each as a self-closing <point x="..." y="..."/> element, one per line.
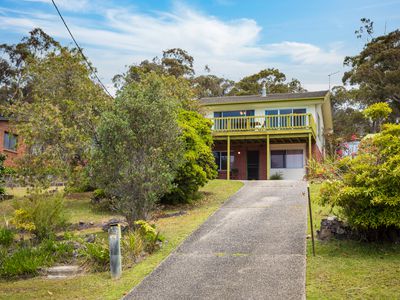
<point x="309" y="148"/>
<point x="268" y="157"/>
<point x="228" y="163"/>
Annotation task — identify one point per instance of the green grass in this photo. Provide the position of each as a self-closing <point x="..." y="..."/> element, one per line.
<point x="99" y="285"/>
<point x="350" y="269"/>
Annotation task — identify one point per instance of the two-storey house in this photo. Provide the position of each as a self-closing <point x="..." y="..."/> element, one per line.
<point x="262" y="135"/>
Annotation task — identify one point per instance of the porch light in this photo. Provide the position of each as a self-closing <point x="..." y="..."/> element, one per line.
<point x="238" y="152"/>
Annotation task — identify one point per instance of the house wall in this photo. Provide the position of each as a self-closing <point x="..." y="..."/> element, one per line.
<point x="11" y="155"/>
<point x="240" y="163"/>
<point x="291" y="174"/>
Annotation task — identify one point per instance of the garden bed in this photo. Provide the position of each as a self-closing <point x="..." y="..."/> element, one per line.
<point x="99" y="285"/>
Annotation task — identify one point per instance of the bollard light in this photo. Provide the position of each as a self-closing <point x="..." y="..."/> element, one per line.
<point x="114" y="237"/>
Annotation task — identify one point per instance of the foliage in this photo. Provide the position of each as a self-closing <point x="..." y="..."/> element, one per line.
<point x="40" y="214"/>
<point x="367" y="187"/>
<point x="138" y="164"/>
<point x="132" y="246"/>
<point x="276" y="176"/>
<point x="3" y="172"/>
<point x="149" y="234"/>
<point x="6" y="237"/>
<point x="274" y="80"/>
<point x="198" y="164"/>
<point x="377" y="112"/>
<point x="96" y="255"/>
<point x="348" y="119"/>
<point x="376" y="70"/>
<point x="24" y="261"/>
<point x="59" y="116"/>
<point x="15" y="85"/>
<point x="211" y="86"/>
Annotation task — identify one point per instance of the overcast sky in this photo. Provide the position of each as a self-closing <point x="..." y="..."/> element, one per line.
<point x="305" y="39"/>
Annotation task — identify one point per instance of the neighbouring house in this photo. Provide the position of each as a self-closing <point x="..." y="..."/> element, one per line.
<point x="10" y="143"/>
<point x="262" y="135"/>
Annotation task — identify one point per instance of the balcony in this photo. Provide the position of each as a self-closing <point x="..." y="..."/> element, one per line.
<point x="267" y="124"/>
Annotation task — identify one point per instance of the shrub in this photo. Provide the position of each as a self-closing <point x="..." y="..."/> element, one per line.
<point x="40" y="214"/>
<point x="6" y="237"/>
<point x="276" y="176"/>
<point x="198" y="164"/>
<point x="132" y="245"/>
<point x="96" y="255"/>
<point x="367" y="187"/>
<point x="150" y="235"/>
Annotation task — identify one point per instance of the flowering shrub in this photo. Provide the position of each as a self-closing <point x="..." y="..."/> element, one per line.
<point x="367" y="187"/>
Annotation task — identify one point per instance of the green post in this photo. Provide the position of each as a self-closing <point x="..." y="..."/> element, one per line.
<point x="268" y="157"/>
<point x="309" y="147"/>
<point x="228" y="163"/>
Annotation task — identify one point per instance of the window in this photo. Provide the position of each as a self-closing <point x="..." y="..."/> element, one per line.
<point x="284" y="121"/>
<point x="10" y="141"/>
<point x="236" y="123"/>
<point x="287" y="159"/>
<point x="221" y="159"/>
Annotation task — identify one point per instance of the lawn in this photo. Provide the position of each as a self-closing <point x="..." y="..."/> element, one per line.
<point x="351" y="269"/>
<point x="99" y="285"/>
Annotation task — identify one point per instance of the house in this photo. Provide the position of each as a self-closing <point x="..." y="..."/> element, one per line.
<point x="262" y="135"/>
<point x="10" y="145"/>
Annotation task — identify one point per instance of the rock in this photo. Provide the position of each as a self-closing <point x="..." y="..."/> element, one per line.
<point x="81" y="223"/>
<point x="332" y="218"/>
<point x="109" y="223"/>
<point x="324" y="234"/>
<point x="91" y="223"/>
<point x="91" y="238"/>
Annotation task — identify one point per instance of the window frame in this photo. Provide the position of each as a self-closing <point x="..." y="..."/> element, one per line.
<point x="10" y="141"/>
<point x="284" y="155"/>
<point x="219" y="164"/>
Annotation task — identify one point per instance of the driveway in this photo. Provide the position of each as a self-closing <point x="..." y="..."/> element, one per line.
<point x="253" y="247"/>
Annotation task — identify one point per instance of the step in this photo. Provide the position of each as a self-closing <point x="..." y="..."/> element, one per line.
<point x="62" y="271"/>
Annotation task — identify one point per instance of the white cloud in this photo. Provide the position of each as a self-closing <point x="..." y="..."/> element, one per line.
<point x="231" y="48"/>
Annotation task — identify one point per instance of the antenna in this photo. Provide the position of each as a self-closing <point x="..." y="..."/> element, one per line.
<point x="329" y="76"/>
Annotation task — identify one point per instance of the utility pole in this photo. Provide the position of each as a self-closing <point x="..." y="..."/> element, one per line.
<point x="329" y="76"/>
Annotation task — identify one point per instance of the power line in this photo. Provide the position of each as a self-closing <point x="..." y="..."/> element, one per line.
<point x="80" y="50"/>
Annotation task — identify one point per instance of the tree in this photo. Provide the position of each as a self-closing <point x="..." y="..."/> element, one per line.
<point x="274" y="80"/>
<point x="198" y="164"/>
<point x="177" y="62"/>
<point x="211" y="86"/>
<point x="58" y="122"/>
<point x="15" y="84"/>
<point x="348" y="119"/>
<point x="139" y="149"/>
<point x="377" y="112"/>
<point x="376" y="71"/>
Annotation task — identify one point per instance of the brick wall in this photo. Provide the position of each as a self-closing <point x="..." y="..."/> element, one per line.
<point x="10" y="154"/>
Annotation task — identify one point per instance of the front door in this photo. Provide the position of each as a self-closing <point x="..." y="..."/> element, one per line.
<point x="252" y="165"/>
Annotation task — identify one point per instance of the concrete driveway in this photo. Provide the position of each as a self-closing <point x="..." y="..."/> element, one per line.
<point x="253" y="247"/>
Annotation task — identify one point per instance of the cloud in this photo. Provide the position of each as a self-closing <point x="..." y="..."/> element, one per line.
<point x="122" y="36"/>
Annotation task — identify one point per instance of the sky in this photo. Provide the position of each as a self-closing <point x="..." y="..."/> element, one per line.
<point x="305" y="39"/>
